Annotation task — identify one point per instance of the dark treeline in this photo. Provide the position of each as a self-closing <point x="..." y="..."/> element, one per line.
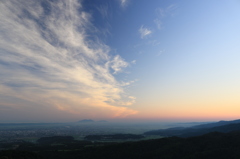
<point x="212" y="145"/>
<point x="55" y="139"/>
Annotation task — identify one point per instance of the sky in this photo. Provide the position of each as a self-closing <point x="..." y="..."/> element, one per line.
<point x="119" y="60"/>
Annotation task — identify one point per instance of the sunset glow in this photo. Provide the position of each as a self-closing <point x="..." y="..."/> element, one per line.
<point x="68" y="60"/>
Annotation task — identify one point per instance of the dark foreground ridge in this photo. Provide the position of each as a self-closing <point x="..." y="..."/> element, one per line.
<point x="211" y="145"/>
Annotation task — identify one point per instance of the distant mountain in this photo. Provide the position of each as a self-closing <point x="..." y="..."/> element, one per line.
<point x="221" y="126"/>
<point x="223" y="129"/>
<point x="86" y="121"/>
<point x="220" y="123"/>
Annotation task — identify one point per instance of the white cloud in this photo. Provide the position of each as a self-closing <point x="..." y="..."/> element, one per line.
<point x="47" y="57"/>
<point x="144" y="32"/>
<point x="123" y="3"/>
<point x="117" y="64"/>
<point x="128" y="83"/>
<point x="133" y="62"/>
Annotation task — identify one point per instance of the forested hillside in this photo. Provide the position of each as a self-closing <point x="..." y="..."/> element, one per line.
<point x="212" y="145"/>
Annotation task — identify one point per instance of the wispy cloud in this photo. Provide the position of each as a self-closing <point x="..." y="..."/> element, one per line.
<point x="46" y="56"/>
<point x="158" y="22"/>
<point x="144" y="32"/>
<point x="103" y="10"/>
<point x="171" y="8"/>
<point x="154" y="42"/>
<point x="162" y="13"/>
<point x="117" y="64"/>
<point x="133" y="62"/>
<point x="160" y="52"/>
<point x="124" y="3"/>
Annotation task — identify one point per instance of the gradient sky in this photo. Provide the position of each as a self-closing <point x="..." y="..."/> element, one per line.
<point x="158" y="60"/>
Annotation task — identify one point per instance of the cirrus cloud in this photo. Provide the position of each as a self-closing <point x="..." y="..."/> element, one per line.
<point x="123" y="3"/>
<point x="47" y="57"/>
<point x="144" y="32"/>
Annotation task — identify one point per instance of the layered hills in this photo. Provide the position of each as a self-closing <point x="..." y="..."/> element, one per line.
<point x="221" y="126"/>
<point x="213" y="140"/>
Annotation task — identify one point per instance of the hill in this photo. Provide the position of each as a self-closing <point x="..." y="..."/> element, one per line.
<point x="212" y="145"/>
<point x="208" y="146"/>
<point x="215" y="124"/>
<point x="221" y="126"/>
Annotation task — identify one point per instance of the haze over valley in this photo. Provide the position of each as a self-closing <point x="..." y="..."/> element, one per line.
<point x="138" y="78"/>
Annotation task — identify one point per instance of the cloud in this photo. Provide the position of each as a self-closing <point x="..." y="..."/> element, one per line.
<point x="103" y="10"/>
<point x="117" y="64"/>
<point x="47" y="57"/>
<point x="123" y="3"/>
<point x="154" y="42"/>
<point x="161" y="12"/>
<point x="144" y="32"/>
<point x="128" y="83"/>
<point x="171" y="8"/>
<point x="164" y="12"/>
<point x="158" y="22"/>
<point x="133" y="62"/>
<point x="160" y="52"/>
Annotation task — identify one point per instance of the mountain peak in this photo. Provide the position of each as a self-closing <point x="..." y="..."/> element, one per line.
<point x="86" y="120"/>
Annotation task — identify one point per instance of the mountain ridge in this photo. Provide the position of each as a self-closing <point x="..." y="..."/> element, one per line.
<point x="221" y="126"/>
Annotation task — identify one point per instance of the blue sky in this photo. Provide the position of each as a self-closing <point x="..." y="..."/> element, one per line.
<point x="119" y="60"/>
